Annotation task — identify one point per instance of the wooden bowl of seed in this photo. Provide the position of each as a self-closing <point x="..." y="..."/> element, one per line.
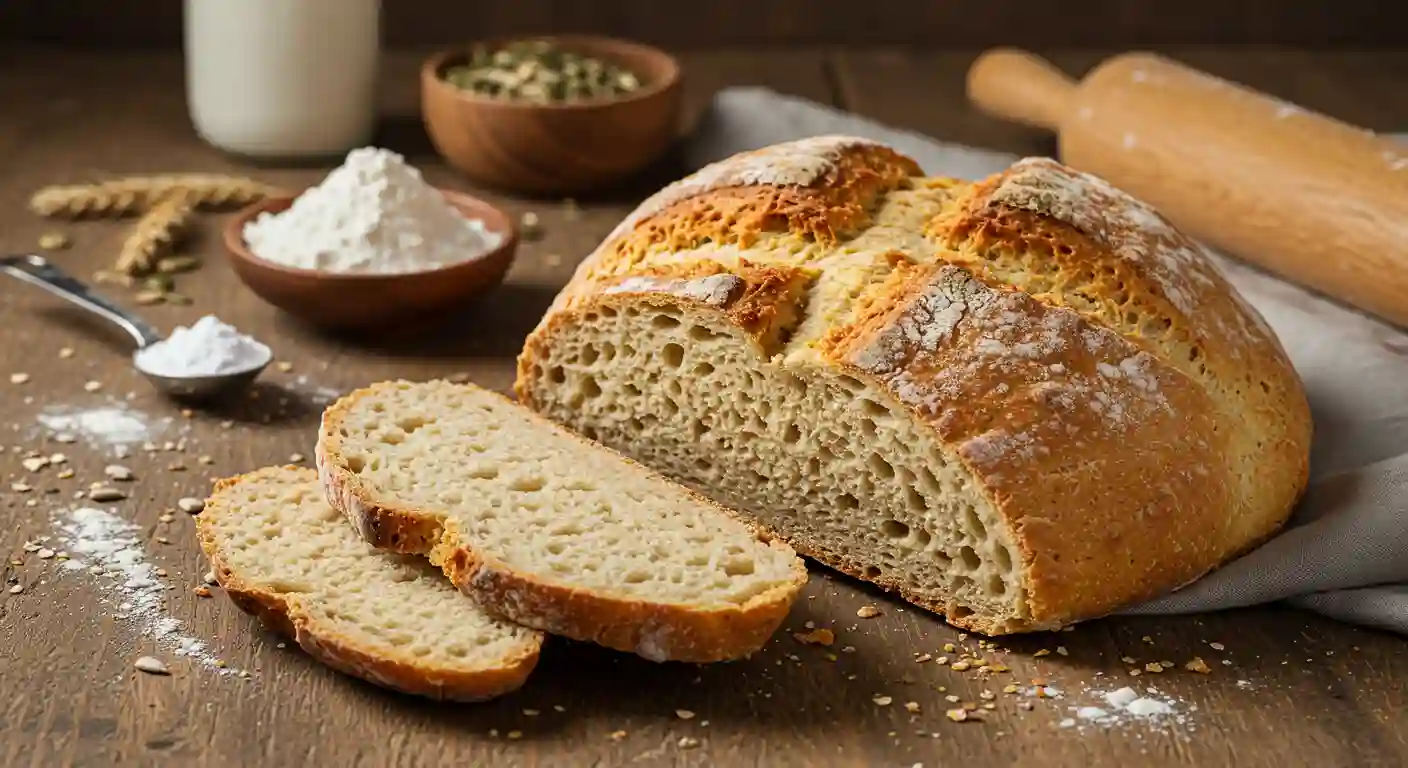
<point x="551" y="115"/>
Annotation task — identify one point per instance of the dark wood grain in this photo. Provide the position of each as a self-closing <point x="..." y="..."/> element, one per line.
<point x="1316" y="692"/>
<point x="781" y="22"/>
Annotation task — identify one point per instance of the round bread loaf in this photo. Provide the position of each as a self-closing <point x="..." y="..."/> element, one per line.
<point x="1020" y="402"/>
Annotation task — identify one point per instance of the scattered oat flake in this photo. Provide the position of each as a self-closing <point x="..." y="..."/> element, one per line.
<point x="923" y="657"/>
<point x="18" y="487"/>
<point x="34" y="464"/>
<point x="92" y="386"/>
<point x="950" y="648"/>
<point x="688" y="742"/>
<point x="882" y="701"/>
<point x="1061" y="649"/>
<point x="618" y="735"/>
<point x="1217" y="646"/>
<point x="15" y="589"/>
<point x="296" y="458"/>
<point x="1042" y="652"/>
<point x="151" y="666"/>
<point x="19" y="378"/>
<point x="959" y="666"/>
<point x="1128" y="659"/>
<point x="1154" y="667"/>
<point x="1196" y="664"/>
<point x="867" y="612"/>
<point x="848" y="649"/>
<point x="911" y="706"/>
<point x="957" y="715"/>
<point x="190" y="505"/>
<point x="816" y="637"/>
<point x="684" y="714"/>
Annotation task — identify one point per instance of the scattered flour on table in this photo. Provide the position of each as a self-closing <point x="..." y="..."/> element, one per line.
<point x="373" y="214"/>
<point x="109" y="548"/>
<point x="208" y="347"/>
<point x="316" y="393"/>
<point x="1123" y="707"/>
<point x="114" y="424"/>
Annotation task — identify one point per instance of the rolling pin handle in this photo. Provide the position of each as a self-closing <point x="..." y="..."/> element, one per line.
<point x="1021" y="87"/>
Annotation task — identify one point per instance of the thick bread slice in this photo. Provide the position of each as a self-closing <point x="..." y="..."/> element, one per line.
<point x="284" y="555"/>
<point x="550" y="530"/>
<point x="1020" y="402"/>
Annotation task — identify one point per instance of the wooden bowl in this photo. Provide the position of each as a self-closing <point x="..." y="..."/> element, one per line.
<point x="557" y="149"/>
<point x="373" y="302"/>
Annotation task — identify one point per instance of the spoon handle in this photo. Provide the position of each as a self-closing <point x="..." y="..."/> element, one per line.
<point x="37" y="270"/>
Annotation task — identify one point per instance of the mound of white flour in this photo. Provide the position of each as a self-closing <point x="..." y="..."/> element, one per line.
<point x="373" y="214"/>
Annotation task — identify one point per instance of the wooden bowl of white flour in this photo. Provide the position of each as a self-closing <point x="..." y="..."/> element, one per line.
<point x="372" y="248"/>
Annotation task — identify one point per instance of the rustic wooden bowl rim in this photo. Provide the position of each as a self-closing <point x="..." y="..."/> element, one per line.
<point x="668" y="65"/>
<point x="238" y="249"/>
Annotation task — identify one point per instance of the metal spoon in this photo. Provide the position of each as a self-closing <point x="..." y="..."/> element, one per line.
<point x="37" y="270"/>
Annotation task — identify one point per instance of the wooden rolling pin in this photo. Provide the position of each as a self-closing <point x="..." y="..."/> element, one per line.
<point x="1310" y="198"/>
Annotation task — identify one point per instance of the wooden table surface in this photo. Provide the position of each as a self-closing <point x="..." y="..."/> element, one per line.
<point x="1286" y="688"/>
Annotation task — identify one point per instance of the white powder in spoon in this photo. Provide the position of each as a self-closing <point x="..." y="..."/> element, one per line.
<point x="373" y="214"/>
<point x="209" y="347"/>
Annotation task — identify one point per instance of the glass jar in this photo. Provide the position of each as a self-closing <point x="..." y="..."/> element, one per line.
<point x="283" y="78"/>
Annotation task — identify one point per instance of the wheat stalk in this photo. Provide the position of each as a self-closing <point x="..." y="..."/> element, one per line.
<point x="135" y="194"/>
<point x="156" y="231"/>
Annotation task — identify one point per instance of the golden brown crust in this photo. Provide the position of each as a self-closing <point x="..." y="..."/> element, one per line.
<point x="290" y="615"/>
<point x="1132" y="419"/>
<point x="656" y="631"/>
<point x="1049" y="413"/>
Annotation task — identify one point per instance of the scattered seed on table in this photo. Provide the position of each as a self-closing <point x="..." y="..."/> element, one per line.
<point x="202" y="591"/>
<point x="118" y="472"/>
<point x="45" y="553"/>
<point x="552" y="260"/>
<point x="19" y="378"/>
<point x="688" y="742"/>
<point x="684" y="714"/>
<point x="92" y="386"/>
<point x="53" y="241"/>
<point x="296" y="457"/>
<point x="162" y="540"/>
<point x="151" y="666"/>
<point x="206" y="460"/>
<point x="35" y="464"/>
<point x="529" y="226"/>
<point x="21" y="487"/>
<point x="867" y="612"/>
<point x="65" y="437"/>
<point x="15" y="589"/>
<point x="882" y="701"/>
<point x="190" y="504"/>
<point x="209" y="578"/>
<point x="65" y="474"/>
<point x="65" y="352"/>
<point x="284" y="366"/>
<point x="104" y="493"/>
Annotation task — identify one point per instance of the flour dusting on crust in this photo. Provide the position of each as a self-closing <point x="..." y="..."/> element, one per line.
<point x="958" y="331"/>
<point x="1131" y="229"/>
<point x="714" y="290"/>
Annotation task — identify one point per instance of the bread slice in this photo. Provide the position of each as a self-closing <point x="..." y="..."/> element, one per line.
<point x="1021" y="402"/>
<point x="284" y="555"/>
<point x="549" y="530"/>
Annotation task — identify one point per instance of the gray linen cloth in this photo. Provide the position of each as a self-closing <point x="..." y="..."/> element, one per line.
<point x="1344" y="553"/>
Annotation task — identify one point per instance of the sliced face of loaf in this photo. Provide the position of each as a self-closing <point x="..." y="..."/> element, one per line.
<point x="1021" y="402"/>
<point x="550" y="530"/>
<point x="283" y="554"/>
